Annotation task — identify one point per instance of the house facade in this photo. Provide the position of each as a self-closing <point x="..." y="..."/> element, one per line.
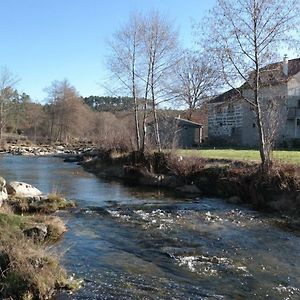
<point x="232" y="121"/>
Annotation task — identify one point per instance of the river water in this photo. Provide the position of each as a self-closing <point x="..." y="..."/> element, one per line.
<point x="133" y="243"/>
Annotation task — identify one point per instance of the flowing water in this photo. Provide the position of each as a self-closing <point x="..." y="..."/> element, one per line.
<point x="134" y="243"/>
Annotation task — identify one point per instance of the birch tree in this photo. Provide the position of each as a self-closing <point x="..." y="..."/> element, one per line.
<point x="161" y="53"/>
<point x="124" y="63"/>
<point x="245" y="36"/>
<point x="143" y="53"/>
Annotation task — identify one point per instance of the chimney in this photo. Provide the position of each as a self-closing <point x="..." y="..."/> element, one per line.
<point x="285" y="65"/>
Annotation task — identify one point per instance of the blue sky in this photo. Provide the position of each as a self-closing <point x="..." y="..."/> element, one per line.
<point x="46" y="40"/>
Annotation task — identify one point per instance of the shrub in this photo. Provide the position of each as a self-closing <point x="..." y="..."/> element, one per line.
<point x="185" y="166"/>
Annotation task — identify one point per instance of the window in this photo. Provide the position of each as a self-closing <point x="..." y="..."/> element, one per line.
<point x="219" y="109"/>
<point x="253" y="125"/>
<point x="298" y="122"/>
<point x="221" y="124"/>
<point x="232" y="130"/>
<point x="298" y="103"/>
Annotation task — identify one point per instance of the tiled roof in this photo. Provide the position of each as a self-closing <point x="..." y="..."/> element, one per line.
<point x="232" y="94"/>
<point x="293" y="69"/>
<point x="293" y="66"/>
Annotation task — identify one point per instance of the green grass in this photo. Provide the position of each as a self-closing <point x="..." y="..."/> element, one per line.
<point x="288" y="157"/>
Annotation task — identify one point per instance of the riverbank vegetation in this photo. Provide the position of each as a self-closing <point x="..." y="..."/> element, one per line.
<point x="28" y="268"/>
<point x="238" y="181"/>
<point x="50" y="204"/>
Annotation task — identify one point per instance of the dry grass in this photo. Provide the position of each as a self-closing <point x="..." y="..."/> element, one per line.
<point x="183" y="167"/>
<point x="52" y="203"/>
<point x="26" y="269"/>
<point x="6" y="209"/>
<point x="55" y="226"/>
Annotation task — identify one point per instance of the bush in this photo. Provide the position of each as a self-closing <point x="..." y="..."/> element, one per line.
<point x="184" y="167"/>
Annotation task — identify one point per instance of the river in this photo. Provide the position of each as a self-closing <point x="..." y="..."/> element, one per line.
<point x="136" y="243"/>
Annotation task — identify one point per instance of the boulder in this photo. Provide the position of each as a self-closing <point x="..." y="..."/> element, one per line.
<point x="38" y="232"/>
<point x="234" y="200"/>
<point x="22" y="189"/>
<point x="3" y="191"/>
<point x="2" y="182"/>
<point x="188" y="189"/>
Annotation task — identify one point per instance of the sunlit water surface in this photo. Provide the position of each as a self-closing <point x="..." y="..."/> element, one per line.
<point x="135" y="243"/>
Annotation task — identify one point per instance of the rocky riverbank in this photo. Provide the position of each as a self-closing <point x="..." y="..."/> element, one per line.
<point x="28" y="269"/>
<point x="77" y="150"/>
<point x="239" y="182"/>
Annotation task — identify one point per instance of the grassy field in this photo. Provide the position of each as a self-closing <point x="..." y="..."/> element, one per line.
<point x="289" y="157"/>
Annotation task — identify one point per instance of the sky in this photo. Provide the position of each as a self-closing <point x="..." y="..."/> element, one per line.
<point x="47" y="40"/>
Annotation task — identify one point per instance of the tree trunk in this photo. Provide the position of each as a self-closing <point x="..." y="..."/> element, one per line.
<point x="136" y="108"/>
<point x="263" y="149"/>
<point x="156" y="127"/>
<point x="145" y="109"/>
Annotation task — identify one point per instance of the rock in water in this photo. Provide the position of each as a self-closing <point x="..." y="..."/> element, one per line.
<point x="3" y="192"/>
<point x="189" y="189"/>
<point x="22" y="189"/>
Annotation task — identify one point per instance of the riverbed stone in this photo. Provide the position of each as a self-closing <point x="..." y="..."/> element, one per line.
<point x="22" y="189"/>
<point x="3" y="191"/>
<point x="189" y="189"/>
<point x="235" y="200"/>
<point x="38" y="232"/>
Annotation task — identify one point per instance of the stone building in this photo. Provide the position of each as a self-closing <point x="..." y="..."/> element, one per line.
<point x="189" y="134"/>
<point x="231" y="119"/>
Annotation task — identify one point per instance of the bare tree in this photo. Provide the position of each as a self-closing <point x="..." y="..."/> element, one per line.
<point x="67" y="111"/>
<point x="161" y="53"/>
<point x="34" y="118"/>
<point x="7" y="93"/>
<point x="195" y="79"/>
<point x="143" y="54"/>
<point x="124" y="62"/>
<point x="245" y="36"/>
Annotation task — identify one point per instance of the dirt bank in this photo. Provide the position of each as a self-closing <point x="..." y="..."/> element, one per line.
<point x="239" y="182"/>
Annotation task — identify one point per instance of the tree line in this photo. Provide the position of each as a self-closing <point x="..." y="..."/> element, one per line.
<point x="64" y="117"/>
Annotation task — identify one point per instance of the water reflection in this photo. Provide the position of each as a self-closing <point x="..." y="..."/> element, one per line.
<point x="130" y="243"/>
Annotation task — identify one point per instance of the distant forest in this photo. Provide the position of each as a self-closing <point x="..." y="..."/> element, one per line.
<point x="106" y="103"/>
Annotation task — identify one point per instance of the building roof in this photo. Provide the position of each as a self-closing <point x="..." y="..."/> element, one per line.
<point x="293" y="66"/>
<point x="232" y="94"/>
<point x="185" y="122"/>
